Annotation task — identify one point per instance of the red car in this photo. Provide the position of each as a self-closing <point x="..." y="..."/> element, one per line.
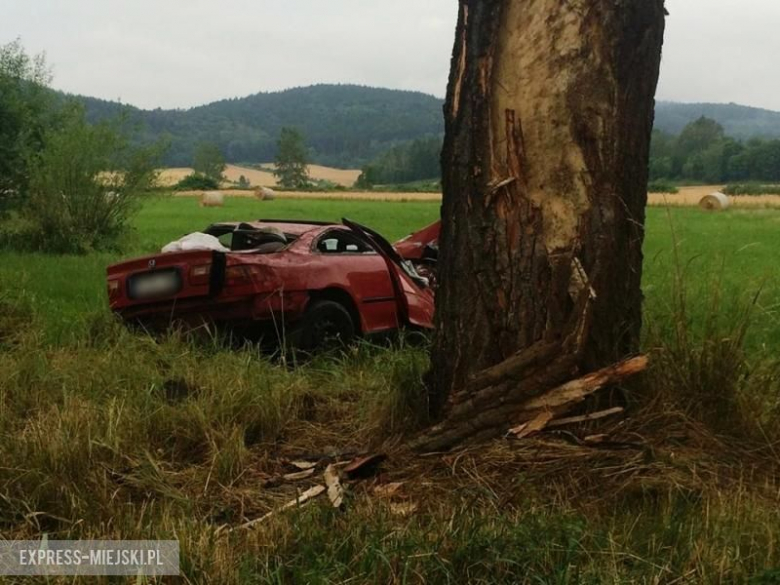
<point x="305" y="282"/>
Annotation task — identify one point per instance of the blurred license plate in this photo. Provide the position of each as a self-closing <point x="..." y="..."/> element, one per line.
<point x="155" y="284"/>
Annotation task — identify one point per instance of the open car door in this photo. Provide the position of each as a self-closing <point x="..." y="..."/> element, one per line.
<point x="413" y="294"/>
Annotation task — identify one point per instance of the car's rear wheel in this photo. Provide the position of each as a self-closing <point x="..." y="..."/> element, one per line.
<point x="325" y="325"/>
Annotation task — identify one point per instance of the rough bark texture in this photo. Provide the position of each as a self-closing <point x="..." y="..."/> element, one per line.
<point x="548" y="120"/>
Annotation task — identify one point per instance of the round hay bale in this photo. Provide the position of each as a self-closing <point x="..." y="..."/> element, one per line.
<point x="265" y="194"/>
<point x="212" y="199"/>
<point x="715" y="202"/>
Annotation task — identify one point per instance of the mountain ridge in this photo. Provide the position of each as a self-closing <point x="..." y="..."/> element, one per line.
<point x="349" y="125"/>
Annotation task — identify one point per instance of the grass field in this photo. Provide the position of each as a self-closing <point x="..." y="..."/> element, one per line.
<point x="106" y="433"/>
<point x="738" y="247"/>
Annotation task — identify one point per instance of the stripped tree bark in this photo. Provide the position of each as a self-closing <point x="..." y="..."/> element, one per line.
<point x="548" y="120"/>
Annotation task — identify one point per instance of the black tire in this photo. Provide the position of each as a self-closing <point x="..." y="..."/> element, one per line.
<point x="325" y="325"/>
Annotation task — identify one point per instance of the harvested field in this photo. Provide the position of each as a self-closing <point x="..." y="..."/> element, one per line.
<point x="263" y="178"/>
<point x="331" y="195"/>
<point x="687" y="197"/>
<point x="343" y="177"/>
<point x="169" y="177"/>
<point x="690" y="197"/>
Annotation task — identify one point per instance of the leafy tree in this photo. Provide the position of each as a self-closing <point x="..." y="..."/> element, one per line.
<point x="694" y="167"/>
<point x="243" y="182"/>
<point x="209" y="162"/>
<point x="698" y="136"/>
<point x="704" y="153"/>
<point x="196" y="182"/>
<point x="412" y="161"/>
<point x="695" y="138"/>
<point x="25" y="104"/>
<point x="715" y="160"/>
<point x="660" y="168"/>
<point x="292" y="160"/>
<point x="85" y="184"/>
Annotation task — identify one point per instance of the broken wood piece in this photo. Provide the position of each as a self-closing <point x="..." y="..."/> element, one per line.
<point x="335" y="491"/>
<point x="513" y="366"/>
<point x="302" y="499"/>
<point x="298" y="475"/>
<point x="303" y="465"/>
<point x="585" y="417"/>
<point x="576" y="391"/>
<point x="563" y="398"/>
<point x="595" y="439"/>
<point x="532" y="426"/>
<point x="363" y="467"/>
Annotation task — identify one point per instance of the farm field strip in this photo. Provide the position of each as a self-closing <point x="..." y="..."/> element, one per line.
<point x="263" y="178"/>
<point x="687" y="196"/>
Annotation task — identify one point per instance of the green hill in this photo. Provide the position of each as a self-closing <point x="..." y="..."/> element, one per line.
<point x="742" y="122"/>
<point x="344" y="125"/>
<point x="350" y="125"/>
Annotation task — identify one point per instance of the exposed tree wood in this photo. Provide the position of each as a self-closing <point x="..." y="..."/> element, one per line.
<point x="303" y="465"/>
<point x="548" y="120"/>
<point x="335" y="491"/>
<point x="576" y="391"/>
<point x="533" y="426"/>
<point x="532" y="415"/>
<point x="298" y="475"/>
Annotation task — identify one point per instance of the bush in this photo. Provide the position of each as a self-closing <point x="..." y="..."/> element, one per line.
<point x="25" y="111"/>
<point x="84" y="186"/>
<point x="430" y="186"/>
<point x="752" y="189"/>
<point x="197" y="182"/>
<point x="661" y="186"/>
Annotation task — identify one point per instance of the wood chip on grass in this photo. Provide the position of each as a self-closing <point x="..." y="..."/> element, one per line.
<point x="301" y="500"/>
<point x="335" y="490"/>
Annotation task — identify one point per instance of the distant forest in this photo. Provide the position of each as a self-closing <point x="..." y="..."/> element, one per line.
<point x="703" y="152"/>
<point x="344" y="126"/>
<point x="395" y="136"/>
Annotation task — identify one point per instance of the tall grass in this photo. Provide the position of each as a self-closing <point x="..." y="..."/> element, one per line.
<point x="115" y="434"/>
<point x="704" y="363"/>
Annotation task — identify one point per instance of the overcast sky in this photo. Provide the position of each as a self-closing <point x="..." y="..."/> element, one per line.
<point x="181" y="53"/>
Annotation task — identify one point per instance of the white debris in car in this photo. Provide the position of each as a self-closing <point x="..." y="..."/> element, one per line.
<point x="196" y="241"/>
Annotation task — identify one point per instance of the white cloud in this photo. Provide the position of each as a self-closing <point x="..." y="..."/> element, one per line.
<point x="180" y="53"/>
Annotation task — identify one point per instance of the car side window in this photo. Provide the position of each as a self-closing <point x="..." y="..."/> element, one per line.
<point x="342" y="242"/>
<point x="227" y="240"/>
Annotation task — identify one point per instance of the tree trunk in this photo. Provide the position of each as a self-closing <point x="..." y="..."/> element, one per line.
<point x="549" y="114"/>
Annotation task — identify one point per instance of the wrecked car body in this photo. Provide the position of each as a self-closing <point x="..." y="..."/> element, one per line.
<point x="304" y="282"/>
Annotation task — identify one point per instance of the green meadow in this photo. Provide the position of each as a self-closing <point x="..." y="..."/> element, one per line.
<point x="109" y="433"/>
<point x="732" y="252"/>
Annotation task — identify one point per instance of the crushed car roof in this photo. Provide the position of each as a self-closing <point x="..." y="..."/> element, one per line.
<point x="289" y="226"/>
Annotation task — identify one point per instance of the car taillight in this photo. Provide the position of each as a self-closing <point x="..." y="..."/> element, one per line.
<point x="237" y="275"/>
<point x="113" y="288"/>
<point x="200" y="274"/>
